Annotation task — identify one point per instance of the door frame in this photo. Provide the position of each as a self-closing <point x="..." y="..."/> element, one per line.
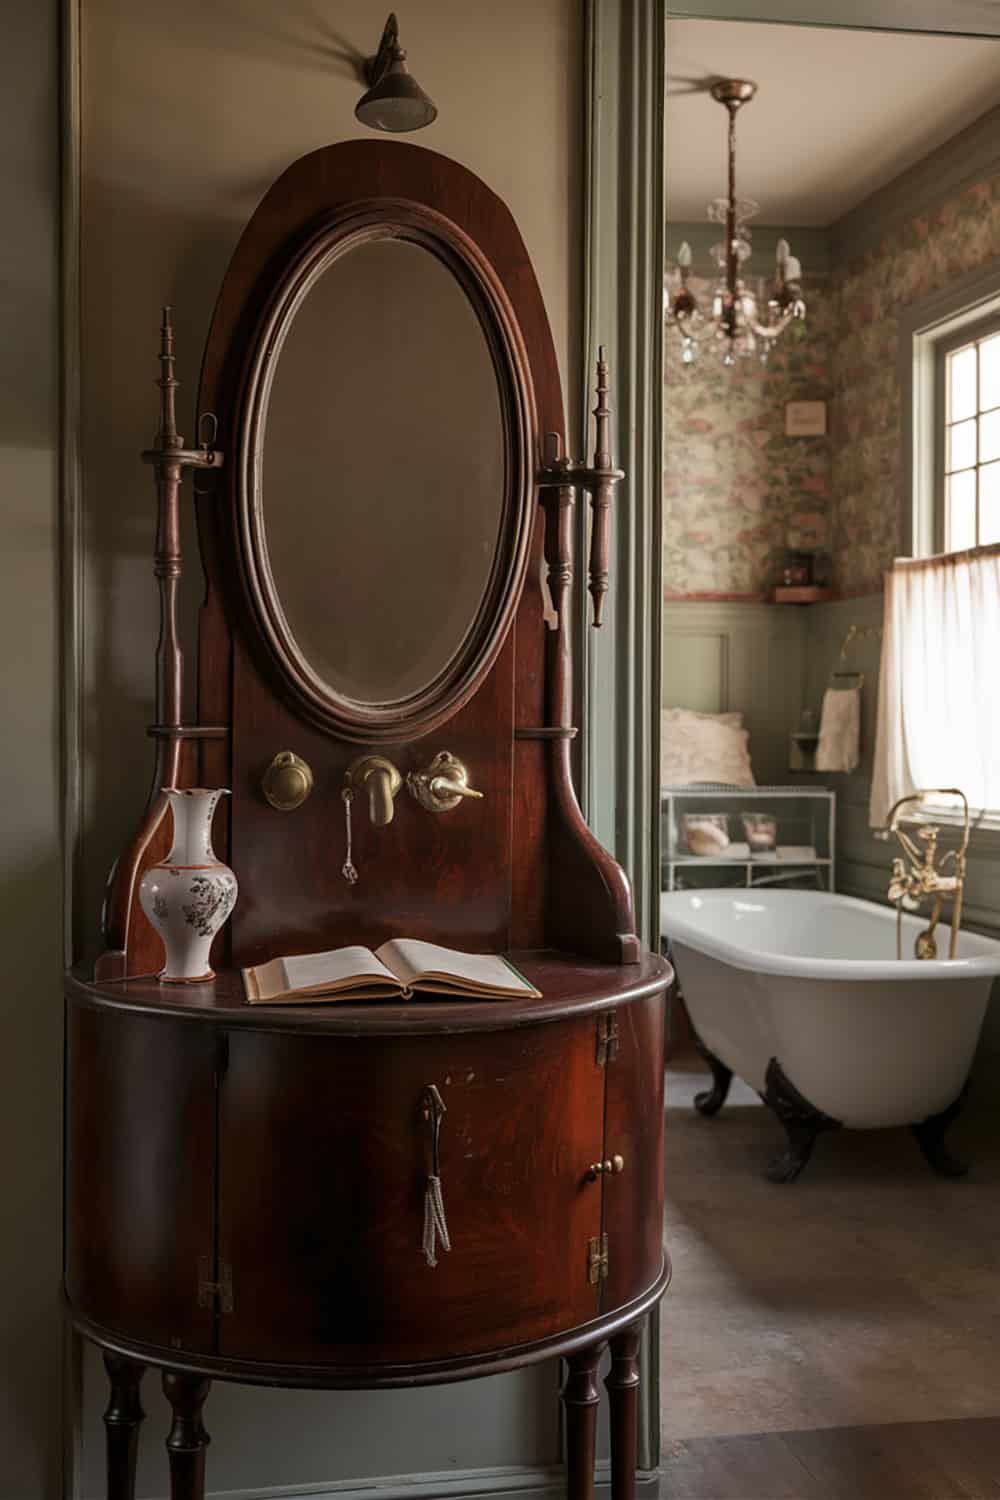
<point x="617" y="669"/>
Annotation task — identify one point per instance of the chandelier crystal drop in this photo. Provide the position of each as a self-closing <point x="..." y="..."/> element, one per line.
<point x="745" y="323"/>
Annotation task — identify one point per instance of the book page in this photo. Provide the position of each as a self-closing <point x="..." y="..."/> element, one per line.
<point x="308" y="970"/>
<point x="309" y="973"/>
<point x="412" y="960"/>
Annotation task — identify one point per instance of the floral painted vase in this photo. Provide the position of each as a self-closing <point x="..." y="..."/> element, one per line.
<point x="191" y="893"/>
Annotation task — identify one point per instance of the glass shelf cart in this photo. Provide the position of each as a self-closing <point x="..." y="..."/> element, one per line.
<point x="805" y="845"/>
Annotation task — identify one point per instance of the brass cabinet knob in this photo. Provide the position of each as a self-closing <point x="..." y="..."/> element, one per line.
<point x="287" y="781"/>
<point x="610" y="1168"/>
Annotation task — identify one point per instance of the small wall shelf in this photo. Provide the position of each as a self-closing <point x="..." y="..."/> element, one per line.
<point x="801" y="593"/>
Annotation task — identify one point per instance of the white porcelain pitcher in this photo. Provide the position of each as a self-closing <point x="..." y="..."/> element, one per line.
<point x="190" y="894"/>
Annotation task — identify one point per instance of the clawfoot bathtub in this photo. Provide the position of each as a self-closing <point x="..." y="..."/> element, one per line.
<point x="800" y="994"/>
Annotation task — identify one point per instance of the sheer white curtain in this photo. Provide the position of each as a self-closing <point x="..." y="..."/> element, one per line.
<point x="939" y="687"/>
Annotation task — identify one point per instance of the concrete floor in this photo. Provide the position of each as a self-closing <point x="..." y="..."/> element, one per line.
<point x="866" y="1292"/>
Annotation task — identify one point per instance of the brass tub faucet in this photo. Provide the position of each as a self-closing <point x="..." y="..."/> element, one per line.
<point x="919" y="873"/>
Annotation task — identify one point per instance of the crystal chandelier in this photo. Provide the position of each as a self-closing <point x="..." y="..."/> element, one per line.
<point x="746" y="323"/>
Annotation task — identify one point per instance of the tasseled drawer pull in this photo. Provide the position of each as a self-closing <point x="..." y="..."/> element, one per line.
<point x="435" y="1223"/>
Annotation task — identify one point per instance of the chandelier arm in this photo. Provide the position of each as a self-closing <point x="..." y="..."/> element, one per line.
<point x="771" y="331"/>
<point x="707" y="328"/>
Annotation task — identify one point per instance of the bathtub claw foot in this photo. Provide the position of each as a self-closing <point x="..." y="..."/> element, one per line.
<point x="803" y="1122"/>
<point x="787" y="1166"/>
<point x="930" y="1138"/>
<point x="710" y="1101"/>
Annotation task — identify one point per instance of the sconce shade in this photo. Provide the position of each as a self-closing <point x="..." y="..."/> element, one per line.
<point x="394" y="100"/>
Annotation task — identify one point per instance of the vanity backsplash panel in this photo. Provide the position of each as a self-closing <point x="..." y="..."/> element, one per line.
<point x="294" y="897"/>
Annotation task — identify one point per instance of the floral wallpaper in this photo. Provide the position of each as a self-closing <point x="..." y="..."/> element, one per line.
<point x="737" y="491"/>
<point x="917" y="258"/>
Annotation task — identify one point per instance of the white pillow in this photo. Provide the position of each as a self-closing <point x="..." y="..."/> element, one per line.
<point x="704" y="747"/>
<point x="671" y="715"/>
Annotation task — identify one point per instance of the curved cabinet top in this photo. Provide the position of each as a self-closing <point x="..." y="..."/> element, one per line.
<point x="569" y="986"/>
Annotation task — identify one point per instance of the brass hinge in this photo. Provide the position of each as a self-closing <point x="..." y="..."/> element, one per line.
<point x="607" y="1037"/>
<point x="215" y="1293"/>
<point x="597" y="1259"/>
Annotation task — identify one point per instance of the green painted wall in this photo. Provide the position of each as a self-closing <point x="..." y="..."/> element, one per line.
<point x="719" y="656"/>
<point x="30" y="856"/>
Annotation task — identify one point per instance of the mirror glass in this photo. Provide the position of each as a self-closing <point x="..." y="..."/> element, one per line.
<point x="381" y="471"/>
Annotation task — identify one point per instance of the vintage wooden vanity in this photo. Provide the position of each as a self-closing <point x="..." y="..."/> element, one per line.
<point x="384" y="515"/>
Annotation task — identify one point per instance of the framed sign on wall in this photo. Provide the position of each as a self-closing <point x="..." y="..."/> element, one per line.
<point x="805" y="418"/>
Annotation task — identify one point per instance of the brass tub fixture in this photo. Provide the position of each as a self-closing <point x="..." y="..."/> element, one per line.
<point x="919" y="874"/>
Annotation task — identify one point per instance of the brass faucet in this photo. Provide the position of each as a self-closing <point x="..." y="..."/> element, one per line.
<point x="378" y="777"/>
<point x="919" y="874"/>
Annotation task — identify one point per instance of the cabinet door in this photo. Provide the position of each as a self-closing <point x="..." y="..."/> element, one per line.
<point x="633" y="1198"/>
<point x="140" y="1141"/>
<point x="324" y="1159"/>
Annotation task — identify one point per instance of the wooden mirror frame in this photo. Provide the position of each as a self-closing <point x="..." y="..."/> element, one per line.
<point x="521" y="872"/>
<point x="318" y="701"/>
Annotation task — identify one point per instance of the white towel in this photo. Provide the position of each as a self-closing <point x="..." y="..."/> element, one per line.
<point x="839" y="747"/>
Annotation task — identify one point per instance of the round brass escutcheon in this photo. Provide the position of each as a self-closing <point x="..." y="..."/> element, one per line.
<point x="287" y="781"/>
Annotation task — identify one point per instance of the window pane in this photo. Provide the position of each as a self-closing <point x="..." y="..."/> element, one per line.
<point x="989" y="436"/>
<point x="961" y="446"/>
<point x="961" y="513"/>
<point x="962" y="384"/>
<point x="989" y="504"/>
<point x="989" y="372"/>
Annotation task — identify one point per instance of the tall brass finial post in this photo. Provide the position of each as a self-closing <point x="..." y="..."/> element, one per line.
<point x="559" y="473"/>
<point x="602" y="415"/>
<point x="168" y="437"/>
<point x="600" y="495"/>
<point x="169" y="459"/>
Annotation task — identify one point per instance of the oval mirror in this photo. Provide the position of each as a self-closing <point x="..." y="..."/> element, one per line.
<point x="380" y="518"/>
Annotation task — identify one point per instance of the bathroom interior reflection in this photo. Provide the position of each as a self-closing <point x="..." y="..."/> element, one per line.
<point x="829" y="766"/>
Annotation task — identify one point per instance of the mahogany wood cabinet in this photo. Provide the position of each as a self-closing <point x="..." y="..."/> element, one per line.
<point x="250" y="1189"/>
<point x="226" y="1216"/>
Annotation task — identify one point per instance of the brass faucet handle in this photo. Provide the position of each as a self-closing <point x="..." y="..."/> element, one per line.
<point x="381" y="780"/>
<point x="443" y="784"/>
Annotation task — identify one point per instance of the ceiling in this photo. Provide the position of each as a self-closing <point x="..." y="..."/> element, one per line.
<point x="838" y="114"/>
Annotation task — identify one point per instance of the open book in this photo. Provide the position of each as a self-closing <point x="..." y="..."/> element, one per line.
<point x="395" y="970"/>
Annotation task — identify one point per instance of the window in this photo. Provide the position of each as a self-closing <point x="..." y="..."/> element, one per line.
<point x="968" y="437"/>
<point x="936" y="724"/>
<point x="938" y="720"/>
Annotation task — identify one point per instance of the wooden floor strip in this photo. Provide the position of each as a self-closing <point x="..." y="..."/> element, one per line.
<point x="952" y="1460"/>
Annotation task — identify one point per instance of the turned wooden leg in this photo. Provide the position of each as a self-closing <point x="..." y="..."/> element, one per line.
<point x="581" y="1396"/>
<point x="622" y="1382"/>
<point x="188" y="1439"/>
<point x="122" y="1421"/>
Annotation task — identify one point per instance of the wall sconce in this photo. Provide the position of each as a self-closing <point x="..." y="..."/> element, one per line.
<point x="394" y="100"/>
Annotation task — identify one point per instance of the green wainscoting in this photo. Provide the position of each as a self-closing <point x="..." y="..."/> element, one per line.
<point x="720" y="656"/>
